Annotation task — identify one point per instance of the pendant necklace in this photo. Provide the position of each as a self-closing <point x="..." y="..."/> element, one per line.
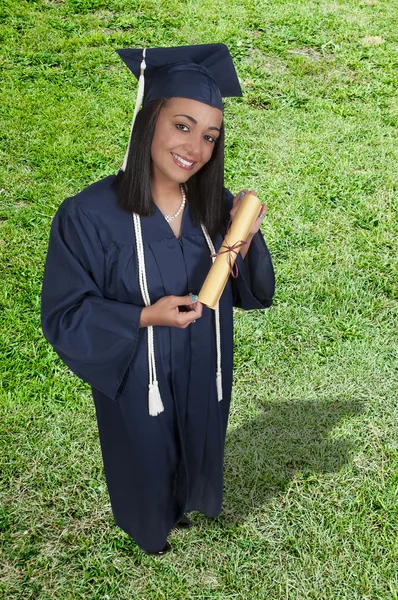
<point x="170" y="218"/>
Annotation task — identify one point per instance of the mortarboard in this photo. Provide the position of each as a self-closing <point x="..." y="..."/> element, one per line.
<point x="204" y="73"/>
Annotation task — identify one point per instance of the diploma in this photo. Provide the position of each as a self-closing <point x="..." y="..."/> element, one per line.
<point x="217" y="278"/>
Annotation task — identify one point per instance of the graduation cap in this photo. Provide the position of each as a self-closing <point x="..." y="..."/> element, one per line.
<point x="204" y="73"/>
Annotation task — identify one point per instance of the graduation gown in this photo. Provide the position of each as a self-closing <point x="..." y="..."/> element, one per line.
<point x="156" y="468"/>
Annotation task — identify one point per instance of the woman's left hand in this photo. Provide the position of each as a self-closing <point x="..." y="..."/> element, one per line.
<point x="236" y="203"/>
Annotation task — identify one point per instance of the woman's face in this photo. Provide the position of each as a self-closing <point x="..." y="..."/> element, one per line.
<point x="184" y="138"/>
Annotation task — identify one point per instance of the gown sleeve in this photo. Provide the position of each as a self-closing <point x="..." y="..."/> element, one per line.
<point x="255" y="285"/>
<point x="95" y="337"/>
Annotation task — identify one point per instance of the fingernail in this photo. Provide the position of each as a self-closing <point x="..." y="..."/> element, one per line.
<point x="193" y="297"/>
<point x="261" y="216"/>
<point x="241" y="195"/>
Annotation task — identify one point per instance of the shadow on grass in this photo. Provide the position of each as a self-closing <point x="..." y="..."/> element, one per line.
<point x="287" y="440"/>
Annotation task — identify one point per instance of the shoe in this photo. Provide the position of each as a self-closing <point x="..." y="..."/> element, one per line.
<point x="184" y="522"/>
<point x="164" y="550"/>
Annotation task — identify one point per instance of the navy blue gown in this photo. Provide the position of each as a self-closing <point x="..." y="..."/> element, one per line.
<point x="156" y="468"/>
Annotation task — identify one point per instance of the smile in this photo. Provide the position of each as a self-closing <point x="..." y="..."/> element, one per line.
<point x="181" y="162"/>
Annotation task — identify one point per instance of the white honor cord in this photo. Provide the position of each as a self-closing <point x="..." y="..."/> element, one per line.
<point x="155" y="404"/>
<point x="217" y="319"/>
<point x="138" y="103"/>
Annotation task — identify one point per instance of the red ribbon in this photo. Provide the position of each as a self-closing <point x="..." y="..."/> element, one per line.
<point x="231" y="249"/>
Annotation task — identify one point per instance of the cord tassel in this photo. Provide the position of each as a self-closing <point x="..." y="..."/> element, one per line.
<point x="138" y="104"/>
<point x="219" y="385"/>
<point x="154" y="400"/>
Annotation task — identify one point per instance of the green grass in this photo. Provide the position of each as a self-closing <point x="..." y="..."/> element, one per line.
<point x="311" y="490"/>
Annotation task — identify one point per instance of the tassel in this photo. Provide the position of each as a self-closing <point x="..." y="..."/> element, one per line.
<point x="138" y="103"/>
<point x="154" y="400"/>
<point x="219" y="385"/>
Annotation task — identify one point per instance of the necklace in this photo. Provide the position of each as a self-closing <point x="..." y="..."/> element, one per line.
<point x="170" y="218"/>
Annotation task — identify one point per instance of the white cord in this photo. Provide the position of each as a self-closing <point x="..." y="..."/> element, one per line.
<point x="138" y="103"/>
<point x="217" y="319"/>
<point x="155" y="404"/>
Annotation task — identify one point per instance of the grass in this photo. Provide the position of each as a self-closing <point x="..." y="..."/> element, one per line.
<point x="311" y="489"/>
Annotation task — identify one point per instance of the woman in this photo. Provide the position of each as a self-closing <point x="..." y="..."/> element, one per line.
<point x="120" y="292"/>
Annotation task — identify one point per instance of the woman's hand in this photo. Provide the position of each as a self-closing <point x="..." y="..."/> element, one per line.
<point x="166" y="312"/>
<point x="236" y="204"/>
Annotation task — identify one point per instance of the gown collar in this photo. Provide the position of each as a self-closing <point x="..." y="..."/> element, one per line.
<point x="156" y="227"/>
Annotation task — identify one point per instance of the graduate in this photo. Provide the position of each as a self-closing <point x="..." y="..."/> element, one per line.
<point x="126" y="260"/>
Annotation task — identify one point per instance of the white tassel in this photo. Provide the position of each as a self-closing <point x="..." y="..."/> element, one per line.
<point x="219" y="385"/>
<point x="138" y="103"/>
<point x="155" y="402"/>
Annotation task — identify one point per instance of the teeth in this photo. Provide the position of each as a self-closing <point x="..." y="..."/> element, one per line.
<point x="185" y="163"/>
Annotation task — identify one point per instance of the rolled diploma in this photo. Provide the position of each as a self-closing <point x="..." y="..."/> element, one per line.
<point x="217" y="277"/>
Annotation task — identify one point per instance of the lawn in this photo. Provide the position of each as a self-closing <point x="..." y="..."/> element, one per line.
<point x="311" y="467"/>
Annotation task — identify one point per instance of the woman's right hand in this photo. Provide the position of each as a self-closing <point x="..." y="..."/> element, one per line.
<point x="166" y="312"/>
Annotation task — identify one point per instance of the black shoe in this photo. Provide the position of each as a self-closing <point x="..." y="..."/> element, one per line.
<point x="184" y="522"/>
<point x="166" y="549"/>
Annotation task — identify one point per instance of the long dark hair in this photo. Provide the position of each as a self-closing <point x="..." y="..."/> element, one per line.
<point x="205" y="189"/>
